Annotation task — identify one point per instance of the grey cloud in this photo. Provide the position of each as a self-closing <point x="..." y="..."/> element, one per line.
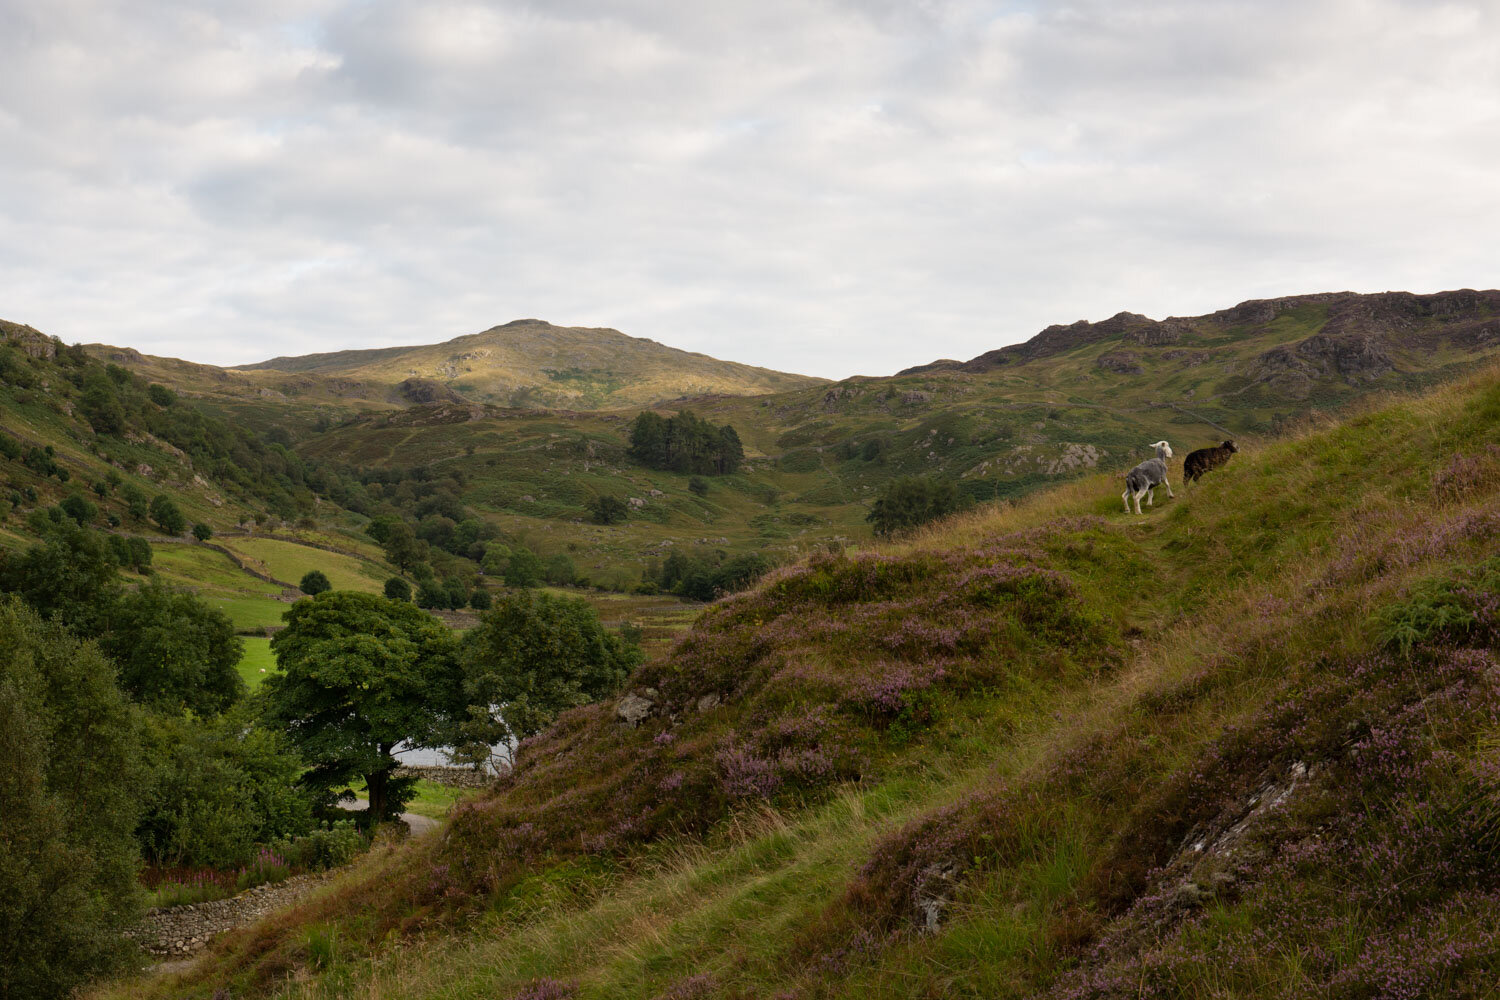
<point x="829" y="187"/>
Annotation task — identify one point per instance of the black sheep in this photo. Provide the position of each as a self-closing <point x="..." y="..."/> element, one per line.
<point x="1206" y="460"/>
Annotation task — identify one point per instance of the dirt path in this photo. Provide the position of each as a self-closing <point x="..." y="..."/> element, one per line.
<point x="419" y="824"/>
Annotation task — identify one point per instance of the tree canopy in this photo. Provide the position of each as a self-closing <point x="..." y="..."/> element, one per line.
<point x="69" y="800"/>
<point x="314" y="582"/>
<point x="174" y="651"/>
<point x="685" y="443"/>
<point x="360" y="674"/>
<point x="535" y="655"/>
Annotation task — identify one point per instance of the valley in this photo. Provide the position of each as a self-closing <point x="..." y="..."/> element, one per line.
<point x="961" y="762"/>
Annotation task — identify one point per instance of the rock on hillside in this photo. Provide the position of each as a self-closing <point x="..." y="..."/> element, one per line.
<point x="1380" y="323"/>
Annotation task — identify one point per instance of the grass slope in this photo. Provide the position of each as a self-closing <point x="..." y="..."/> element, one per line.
<point x="1088" y="397"/>
<point x="1044" y="750"/>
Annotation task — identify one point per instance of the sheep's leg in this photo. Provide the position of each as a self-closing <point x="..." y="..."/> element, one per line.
<point x="1150" y="492"/>
<point x="1137" y="499"/>
<point x="1126" y="497"/>
<point x="1170" y="494"/>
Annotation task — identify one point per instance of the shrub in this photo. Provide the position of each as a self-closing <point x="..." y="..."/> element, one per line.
<point x="480" y="599"/>
<point x="79" y="509"/>
<point x="327" y="846"/>
<point x="608" y="510"/>
<point x="910" y="502"/>
<point x="218" y="790"/>
<point x="397" y="589"/>
<point x="432" y="596"/>
<point x="314" y="582"/>
<point x="560" y="570"/>
<point x="202" y="532"/>
<point x="698" y="486"/>
<point x="523" y="568"/>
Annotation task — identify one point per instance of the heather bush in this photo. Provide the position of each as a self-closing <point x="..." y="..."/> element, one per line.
<point x="781" y="692"/>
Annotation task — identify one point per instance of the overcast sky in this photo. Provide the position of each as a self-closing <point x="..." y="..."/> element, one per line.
<point x="833" y="187"/>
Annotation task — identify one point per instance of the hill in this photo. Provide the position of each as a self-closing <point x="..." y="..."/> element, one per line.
<point x="1073" y="399"/>
<point x="1244" y="746"/>
<point x="530" y="363"/>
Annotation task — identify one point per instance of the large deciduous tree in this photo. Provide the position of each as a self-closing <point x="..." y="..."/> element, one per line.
<point x="359" y="675"/>
<point x="535" y="655"/>
<point x="69" y="800"/>
<point x="175" y="652"/>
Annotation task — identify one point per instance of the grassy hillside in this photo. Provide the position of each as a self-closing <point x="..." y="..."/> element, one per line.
<point x="527" y="363"/>
<point x="531" y="363"/>
<point x="1074" y="399"/>
<point x="1244" y="746"/>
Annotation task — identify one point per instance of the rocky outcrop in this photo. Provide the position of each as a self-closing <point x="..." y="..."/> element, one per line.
<point x="426" y="390"/>
<point x="1351" y="356"/>
<point x="633" y="709"/>
<point x="32" y="342"/>
<point x="1121" y="363"/>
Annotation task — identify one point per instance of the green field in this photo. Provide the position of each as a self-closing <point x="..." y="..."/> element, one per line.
<point x="257" y="662"/>
<point x="250" y="613"/>
<point x="289" y="561"/>
<point x="432" y="800"/>
<point x="206" y="570"/>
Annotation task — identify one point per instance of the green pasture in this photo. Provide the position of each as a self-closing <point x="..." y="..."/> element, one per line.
<point x="290" y="561"/>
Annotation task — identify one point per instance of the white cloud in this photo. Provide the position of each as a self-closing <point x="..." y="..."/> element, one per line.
<point x="830" y="187"/>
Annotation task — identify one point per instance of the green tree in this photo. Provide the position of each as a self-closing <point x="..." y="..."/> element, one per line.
<point x="560" y="571"/>
<point x="403" y="547"/>
<point x="136" y="504"/>
<point x="68" y="809"/>
<point x="360" y="674"/>
<point x="174" y="651"/>
<point x="480" y="600"/>
<point x="71" y="573"/>
<point x="910" y="502"/>
<point x="397" y="589"/>
<point x="314" y="582"/>
<point x="608" y="510"/>
<point x="523" y="568"/>
<point x="100" y="406"/>
<point x="218" y="789"/>
<point x="535" y="655"/>
<point x="202" y="532"/>
<point x="432" y="595"/>
<point x="165" y="513"/>
<point x="79" y="508"/>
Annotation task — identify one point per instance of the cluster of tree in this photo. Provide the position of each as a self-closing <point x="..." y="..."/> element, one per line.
<point x="127" y="736"/>
<point x="704" y="576"/>
<point x="404" y="678"/>
<point x="685" y="443"/>
<point x="120" y="407"/>
<point x="912" y="501"/>
<point x="118" y="749"/>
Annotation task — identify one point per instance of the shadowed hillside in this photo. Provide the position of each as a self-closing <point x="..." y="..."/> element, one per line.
<point x="1244" y="746"/>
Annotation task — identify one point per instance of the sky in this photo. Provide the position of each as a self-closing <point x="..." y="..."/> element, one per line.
<point x="831" y="187"/>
